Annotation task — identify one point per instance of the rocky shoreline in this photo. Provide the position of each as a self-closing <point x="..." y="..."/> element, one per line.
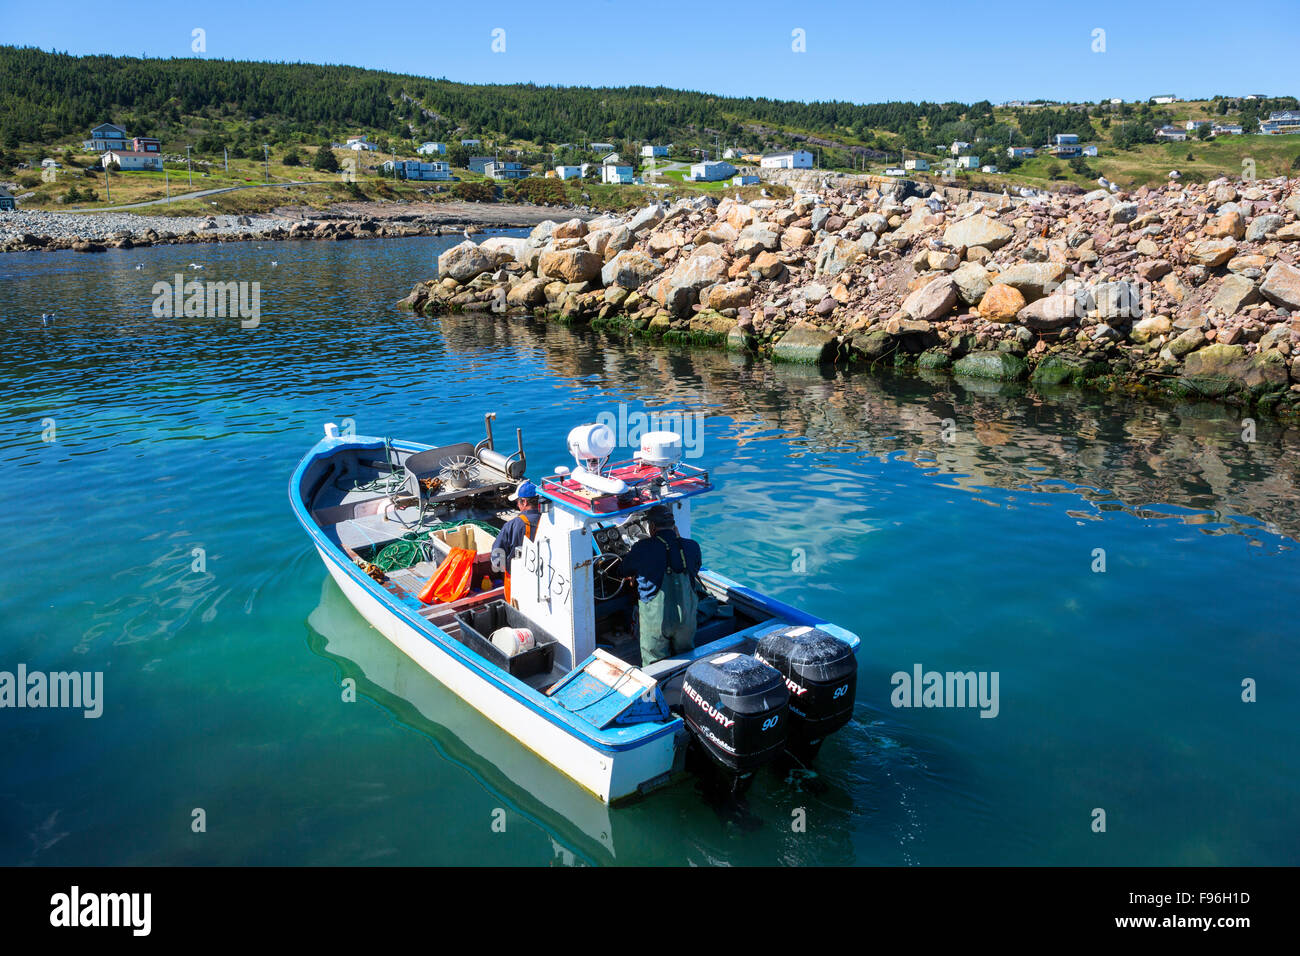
<point x="1186" y="290"/>
<point x="37" y="231"/>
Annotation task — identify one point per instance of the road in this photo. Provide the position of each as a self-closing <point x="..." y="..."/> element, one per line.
<point x="197" y="195"/>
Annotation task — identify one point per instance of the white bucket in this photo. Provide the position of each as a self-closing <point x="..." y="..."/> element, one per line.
<point x="512" y="640"/>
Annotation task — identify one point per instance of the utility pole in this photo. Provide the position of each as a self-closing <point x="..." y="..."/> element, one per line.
<point x="225" y="158"/>
<point x="108" y="192"/>
<point x="266" y="159"/>
<point x="189" y="167"/>
<point x="167" y="182"/>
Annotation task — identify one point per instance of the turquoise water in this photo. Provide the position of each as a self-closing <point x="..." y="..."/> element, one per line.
<point x="952" y="527"/>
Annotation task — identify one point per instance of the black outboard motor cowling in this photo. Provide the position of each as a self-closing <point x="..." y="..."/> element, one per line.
<point x="736" y="706"/>
<point x="821" y="674"/>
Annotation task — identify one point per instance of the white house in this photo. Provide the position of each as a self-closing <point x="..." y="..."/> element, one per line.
<point x="649" y="152"/>
<point x="129" y="160"/>
<point x="1281" y="123"/>
<point x="957" y="146"/>
<point x="615" y="174"/>
<point x="1172" y="133"/>
<point x="895" y="171"/>
<point x="1090" y="150"/>
<point x="729" y="153"/>
<point x="50" y="164"/>
<point x="988" y="169"/>
<point x="503" y="170"/>
<point x="359" y="144"/>
<point x="710" y="171"/>
<point x="568" y="172"/>
<point x="744" y="180"/>
<point x="1226" y="129"/>
<point x="107" y="136"/>
<point x="7" y="200"/>
<point x="469" y="142"/>
<point x="968" y="162"/>
<point x="919" y="165"/>
<point x="794" y="159"/>
<point x="430" y="149"/>
<point x="1164" y="99"/>
<point x="611" y="159"/>
<point x="597" y="147"/>
<point x="413" y="169"/>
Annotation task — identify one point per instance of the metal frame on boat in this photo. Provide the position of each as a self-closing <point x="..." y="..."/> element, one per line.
<point x="613" y="726"/>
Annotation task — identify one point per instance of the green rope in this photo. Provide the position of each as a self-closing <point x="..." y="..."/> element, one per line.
<point x="408" y="550"/>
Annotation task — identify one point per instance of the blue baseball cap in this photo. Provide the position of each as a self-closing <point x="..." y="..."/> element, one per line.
<point x="526" y="489"/>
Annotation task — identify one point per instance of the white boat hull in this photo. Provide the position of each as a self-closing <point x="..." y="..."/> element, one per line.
<point x="607" y="776"/>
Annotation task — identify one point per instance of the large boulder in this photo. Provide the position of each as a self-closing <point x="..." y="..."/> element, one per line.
<point x="1145" y="330"/>
<point x="464" y="262"/>
<point x="645" y="219"/>
<point x="1000" y="366"/>
<point x="972" y="281"/>
<point x="933" y="300"/>
<point x="527" y="294"/>
<point x="1001" y="303"/>
<point x="1117" y="300"/>
<point x="1033" y="280"/>
<point x="727" y="295"/>
<point x="542" y="231"/>
<point x="1211" y="252"/>
<point x="629" y="269"/>
<point x="978" y="230"/>
<point x="502" y="249"/>
<point x="796" y="237"/>
<point x="836" y="255"/>
<point x="756" y="238"/>
<point x="1234" y="292"/>
<point x="805" y="344"/>
<point x="679" y="290"/>
<point x="571" y="265"/>
<point x="1055" y="311"/>
<point x="572" y="229"/>
<point x="1217" y="369"/>
<point x="1282" y="286"/>
<point x="1261" y="227"/>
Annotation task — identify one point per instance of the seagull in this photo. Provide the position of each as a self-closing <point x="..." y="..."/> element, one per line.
<point x="274" y="263"/>
<point x="1175" y="174"/>
<point x="195" y="265"/>
<point x="47" y="318"/>
<point x="139" y="266"/>
<point x="1105" y="183"/>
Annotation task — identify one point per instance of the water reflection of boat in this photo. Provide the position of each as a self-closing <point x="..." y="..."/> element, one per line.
<point x="580" y="829"/>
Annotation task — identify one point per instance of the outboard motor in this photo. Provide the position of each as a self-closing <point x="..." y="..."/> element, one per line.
<point x="821" y="674"/>
<point x="736" y="707"/>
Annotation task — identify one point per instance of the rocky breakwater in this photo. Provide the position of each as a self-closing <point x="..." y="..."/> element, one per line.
<point x="1190" y="289"/>
<point x="35" y="231"/>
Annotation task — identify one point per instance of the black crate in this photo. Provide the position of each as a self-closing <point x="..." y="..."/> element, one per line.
<point x="477" y="625"/>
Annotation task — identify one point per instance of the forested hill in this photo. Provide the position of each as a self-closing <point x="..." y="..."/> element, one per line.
<point x="47" y="96"/>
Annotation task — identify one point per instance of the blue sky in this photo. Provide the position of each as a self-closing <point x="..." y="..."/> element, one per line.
<point x="860" y="51"/>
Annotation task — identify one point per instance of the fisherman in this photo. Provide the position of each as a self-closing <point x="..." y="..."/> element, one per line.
<point x="512" y="534"/>
<point x="665" y="567"/>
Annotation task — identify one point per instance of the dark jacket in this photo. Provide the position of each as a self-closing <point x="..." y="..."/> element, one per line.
<point x="649" y="559"/>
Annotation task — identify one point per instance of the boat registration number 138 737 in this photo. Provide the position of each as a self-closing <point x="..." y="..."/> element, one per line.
<point x="537" y="565"/>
